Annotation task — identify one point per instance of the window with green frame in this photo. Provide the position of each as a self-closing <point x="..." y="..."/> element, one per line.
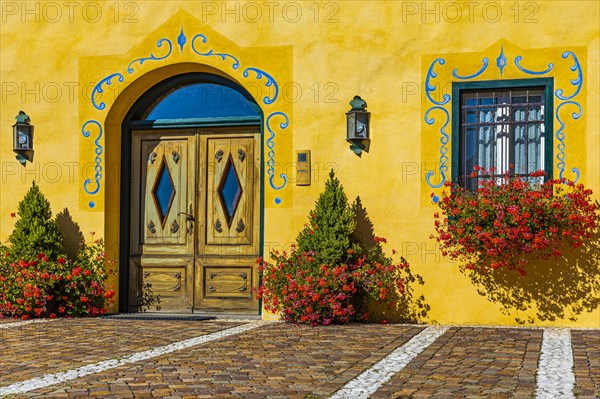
<point x="505" y="125"/>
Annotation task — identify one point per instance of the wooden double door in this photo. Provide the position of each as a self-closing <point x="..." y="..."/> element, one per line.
<point x="195" y="224"/>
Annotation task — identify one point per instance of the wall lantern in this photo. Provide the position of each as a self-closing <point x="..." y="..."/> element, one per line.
<point x="22" y="137"/>
<point x="358" y="126"/>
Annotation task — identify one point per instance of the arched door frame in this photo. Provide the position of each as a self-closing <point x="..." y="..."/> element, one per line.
<point x="132" y="121"/>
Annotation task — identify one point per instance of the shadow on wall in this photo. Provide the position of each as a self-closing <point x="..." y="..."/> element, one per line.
<point x="408" y="309"/>
<point x="72" y="233"/>
<point x="552" y="290"/>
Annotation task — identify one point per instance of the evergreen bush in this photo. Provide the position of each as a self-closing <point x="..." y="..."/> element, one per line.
<point x="35" y="230"/>
<point x="37" y="281"/>
<point x="330" y="276"/>
<point x="328" y="233"/>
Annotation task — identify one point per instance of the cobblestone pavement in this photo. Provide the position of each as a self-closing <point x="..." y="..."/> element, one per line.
<point x="586" y="360"/>
<point x="36" y="349"/>
<point x="470" y="362"/>
<point x="277" y="360"/>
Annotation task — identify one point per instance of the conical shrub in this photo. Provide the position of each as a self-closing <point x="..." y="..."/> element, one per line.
<point x="35" y="231"/>
<point x="330" y="226"/>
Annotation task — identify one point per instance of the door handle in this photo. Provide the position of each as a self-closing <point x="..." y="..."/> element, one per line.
<point x="190" y="219"/>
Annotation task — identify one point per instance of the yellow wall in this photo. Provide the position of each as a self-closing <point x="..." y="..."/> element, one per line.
<point x="321" y="54"/>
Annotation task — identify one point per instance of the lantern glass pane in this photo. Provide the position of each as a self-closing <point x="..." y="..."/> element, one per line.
<point x="351" y="128"/>
<point x="362" y="125"/>
<point x="361" y="128"/>
<point x="23" y="139"/>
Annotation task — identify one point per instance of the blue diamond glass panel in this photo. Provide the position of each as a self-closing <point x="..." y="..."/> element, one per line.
<point x="164" y="191"/>
<point x="230" y="190"/>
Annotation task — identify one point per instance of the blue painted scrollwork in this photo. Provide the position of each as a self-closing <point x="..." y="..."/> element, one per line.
<point x="98" y="160"/>
<point x="429" y="87"/>
<point x="501" y="61"/>
<point x="518" y="59"/>
<point x="92" y="185"/>
<point x="271" y="145"/>
<point x="270" y="82"/>
<point x="568" y="100"/>
<point x="577" y="82"/>
<point x="444" y="139"/>
<point x="152" y="57"/>
<point x="181" y="40"/>
<point x="210" y="53"/>
<point x="98" y="89"/>
<point x="476" y="74"/>
<point x="560" y="136"/>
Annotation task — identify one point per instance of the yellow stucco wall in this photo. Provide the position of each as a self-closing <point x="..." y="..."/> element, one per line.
<point x="320" y="54"/>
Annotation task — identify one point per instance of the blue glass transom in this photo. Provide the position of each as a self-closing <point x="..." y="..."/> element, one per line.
<point x="203" y="100"/>
<point x="164" y="191"/>
<point x="230" y="190"/>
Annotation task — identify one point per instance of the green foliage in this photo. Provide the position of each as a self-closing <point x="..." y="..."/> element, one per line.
<point x="35" y="231"/>
<point x="330" y="226"/>
<point x="37" y="281"/>
<point x="337" y="269"/>
<point x="55" y="288"/>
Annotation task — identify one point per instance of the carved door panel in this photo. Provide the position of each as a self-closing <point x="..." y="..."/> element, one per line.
<point x="229" y="241"/>
<point x="195" y="219"/>
<point x="162" y="244"/>
<point x="230" y="193"/>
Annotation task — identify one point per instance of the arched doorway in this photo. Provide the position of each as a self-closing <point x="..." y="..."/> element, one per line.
<point x="191" y="201"/>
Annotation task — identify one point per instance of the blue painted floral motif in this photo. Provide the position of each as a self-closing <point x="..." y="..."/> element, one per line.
<point x="270" y="82"/>
<point x="271" y="145"/>
<point x="476" y="74"/>
<point x="152" y="57"/>
<point x="578" y="81"/>
<point x="444" y="139"/>
<point x="429" y="87"/>
<point x="97" y="160"/>
<point x="501" y="61"/>
<point x="181" y="40"/>
<point x="98" y="89"/>
<point x="210" y="53"/>
<point x="518" y="59"/>
<point x="443" y="149"/>
<point x="560" y="136"/>
<point x="568" y="100"/>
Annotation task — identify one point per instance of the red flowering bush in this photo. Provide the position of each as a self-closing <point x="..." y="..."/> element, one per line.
<point x="509" y="220"/>
<point x="330" y="276"/>
<point x="61" y="287"/>
<point x="304" y="290"/>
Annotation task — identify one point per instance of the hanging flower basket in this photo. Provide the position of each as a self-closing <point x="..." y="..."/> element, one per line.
<point x="509" y="220"/>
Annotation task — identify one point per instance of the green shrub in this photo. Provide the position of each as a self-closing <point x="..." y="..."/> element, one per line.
<point x="52" y="288"/>
<point x="36" y="280"/>
<point x="328" y="233"/>
<point x="35" y="231"/>
<point x="330" y="276"/>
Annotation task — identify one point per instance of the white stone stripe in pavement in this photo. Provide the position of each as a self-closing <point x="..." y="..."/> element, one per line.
<point x="63" y="376"/>
<point x="367" y="383"/>
<point x="22" y="323"/>
<point x="555" y="378"/>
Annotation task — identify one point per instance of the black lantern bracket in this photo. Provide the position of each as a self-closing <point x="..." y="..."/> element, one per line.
<point x="358" y="126"/>
<point x="23" y="138"/>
